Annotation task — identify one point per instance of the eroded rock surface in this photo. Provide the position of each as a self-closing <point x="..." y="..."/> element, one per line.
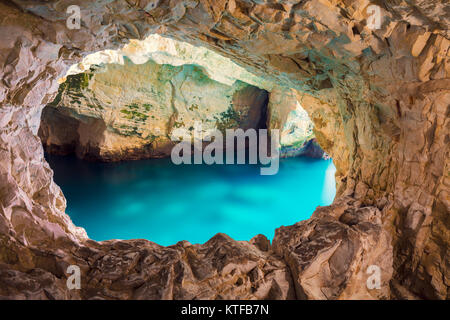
<point x="380" y="103"/>
<point x="329" y="254"/>
<point x="138" y="269"/>
<point x="123" y="112"/>
<point x="125" y="104"/>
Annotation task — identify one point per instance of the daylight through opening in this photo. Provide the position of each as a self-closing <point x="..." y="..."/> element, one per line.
<point x="109" y="137"/>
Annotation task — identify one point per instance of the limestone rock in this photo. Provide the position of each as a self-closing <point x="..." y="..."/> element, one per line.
<point x="296" y="128"/>
<point x="381" y="103"/>
<point x="331" y="253"/>
<point x="168" y="51"/>
<point x="123" y="112"/>
<point x="159" y="85"/>
<point x="138" y="269"/>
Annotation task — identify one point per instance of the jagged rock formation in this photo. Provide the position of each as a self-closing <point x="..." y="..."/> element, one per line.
<point x="379" y="99"/>
<point x="345" y="240"/>
<point x="138" y="269"/>
<point x="168" y="51"/>
<point x="297" y="135"/>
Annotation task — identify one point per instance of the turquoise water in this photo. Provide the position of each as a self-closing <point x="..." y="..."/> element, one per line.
<point x="165" y="203"/>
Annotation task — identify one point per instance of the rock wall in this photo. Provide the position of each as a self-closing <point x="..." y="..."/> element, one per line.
<point x="125" y="104"/>
<point x="380" y="103"/>
<point x="130" y="111"/>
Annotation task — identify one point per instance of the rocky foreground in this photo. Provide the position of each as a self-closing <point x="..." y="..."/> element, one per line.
<point x="378" y="96"/>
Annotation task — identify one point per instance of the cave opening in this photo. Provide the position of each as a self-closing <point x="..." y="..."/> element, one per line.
<point x="373" y="77"/>
<point x="108" y="138"/>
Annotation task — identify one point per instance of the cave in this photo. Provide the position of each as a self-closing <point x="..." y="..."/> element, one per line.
<point x="376" y="89"/>
<point x="121" y="105"/>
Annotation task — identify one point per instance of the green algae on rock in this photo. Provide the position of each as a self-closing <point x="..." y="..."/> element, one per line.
<point x="134" y="108"/>
<point x="135" y="97"/>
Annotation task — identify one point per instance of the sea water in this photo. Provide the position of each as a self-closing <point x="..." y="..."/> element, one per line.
<point x="165" y="203"/>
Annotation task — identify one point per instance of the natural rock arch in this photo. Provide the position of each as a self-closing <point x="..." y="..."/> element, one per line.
<point x="380" y="102"/>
